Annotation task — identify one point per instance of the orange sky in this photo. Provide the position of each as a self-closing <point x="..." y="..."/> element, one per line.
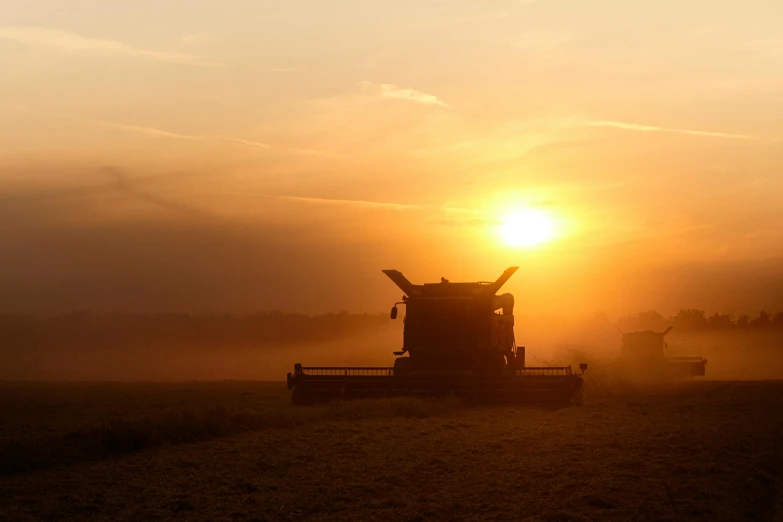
<point x="249" y="155"/>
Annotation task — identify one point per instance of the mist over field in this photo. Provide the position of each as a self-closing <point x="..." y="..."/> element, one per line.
<point x="170" y="347"/>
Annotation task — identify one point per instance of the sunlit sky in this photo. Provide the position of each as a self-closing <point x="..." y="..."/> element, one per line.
<point x="246" y="155"/>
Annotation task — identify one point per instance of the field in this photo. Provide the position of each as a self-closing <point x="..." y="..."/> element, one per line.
<point x="238" y="450"/>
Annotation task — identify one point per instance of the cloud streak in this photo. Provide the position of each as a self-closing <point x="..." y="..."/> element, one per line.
<point x="66" y="42"/>
<point x="387" y="90"/>
<point x="352" y="202"/>
<point x="654" y="128"/>
<point x="149" y="131"/>
<point x="245" y="142"/>
<point x="160" y="133"/>
<point x="132" y="191"/>
<point x="359" y="203"/>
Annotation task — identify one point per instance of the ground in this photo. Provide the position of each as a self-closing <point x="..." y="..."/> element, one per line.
<point x="234" y="450"/>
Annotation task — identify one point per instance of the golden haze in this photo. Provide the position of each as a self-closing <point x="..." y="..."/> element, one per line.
<point x="280" y="159"/>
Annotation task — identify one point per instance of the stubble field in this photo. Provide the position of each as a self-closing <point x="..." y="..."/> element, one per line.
<point x="238" y="451"/>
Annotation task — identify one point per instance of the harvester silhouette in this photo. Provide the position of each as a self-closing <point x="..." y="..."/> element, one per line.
<point x="644" y="350"/>
<point x="458" y="339"/>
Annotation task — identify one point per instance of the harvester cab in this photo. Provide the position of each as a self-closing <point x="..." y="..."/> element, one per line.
<point x="646" y="350"/>
<point x="455" y="327"/>
<point x="458" y="338"/>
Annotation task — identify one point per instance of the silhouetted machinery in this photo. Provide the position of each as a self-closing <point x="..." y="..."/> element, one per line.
<point x="458" y="339"/>
<point x="646" y="351"/>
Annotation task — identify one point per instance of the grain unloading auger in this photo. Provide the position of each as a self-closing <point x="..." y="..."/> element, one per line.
<point x="458" y="339"/>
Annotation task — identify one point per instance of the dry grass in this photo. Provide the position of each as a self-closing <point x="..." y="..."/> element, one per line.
<point x="114" y="436"/>
<point x="700" y="450"/>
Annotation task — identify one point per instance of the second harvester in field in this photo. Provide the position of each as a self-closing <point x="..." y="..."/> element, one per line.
<point x="458" y="339"/>
<point x="644" y="351"/>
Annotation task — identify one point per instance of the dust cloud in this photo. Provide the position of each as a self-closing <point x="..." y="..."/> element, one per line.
<point x="89" y="347"/>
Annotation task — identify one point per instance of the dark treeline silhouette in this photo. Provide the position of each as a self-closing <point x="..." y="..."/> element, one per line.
<point x="693" y="320"/>
<point x="86" y="346"/>
<point x="264" y="328"/>
<point x="89" y="329"/>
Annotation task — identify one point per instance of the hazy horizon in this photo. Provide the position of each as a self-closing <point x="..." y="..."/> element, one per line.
<point x="249" y="156"/>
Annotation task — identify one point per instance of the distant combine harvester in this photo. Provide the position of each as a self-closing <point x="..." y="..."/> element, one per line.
<point x="645" y="352"/>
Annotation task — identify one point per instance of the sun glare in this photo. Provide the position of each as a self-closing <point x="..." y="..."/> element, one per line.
<point x="527" y="227"/>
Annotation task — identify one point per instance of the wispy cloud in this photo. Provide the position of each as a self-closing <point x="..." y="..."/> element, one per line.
<point x="160" y="133"/>
<point x="313" y="153"/>
<point x="245" y="142"/>
<point x="471" y="222"/>
<point x="149" y="131"/>
<point x="67" y="42"/>
<point x="359" y="203"/>
<point x="387" y="90"/>
<point x="352" y="202"/>
<point x="123" y="183"/>
<point x="654" y="128"/>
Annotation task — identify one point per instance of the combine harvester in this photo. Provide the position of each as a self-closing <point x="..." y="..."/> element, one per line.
<point x="644" y="351"/>
<point x="458" y="339"/>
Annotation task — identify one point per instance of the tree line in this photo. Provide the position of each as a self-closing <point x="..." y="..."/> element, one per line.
<point x="275" y="328"/>
<point x="695" y="320"/>
<point x="263" y="328"/>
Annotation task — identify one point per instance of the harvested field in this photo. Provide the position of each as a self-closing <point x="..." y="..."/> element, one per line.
<point x="238" y="451"/>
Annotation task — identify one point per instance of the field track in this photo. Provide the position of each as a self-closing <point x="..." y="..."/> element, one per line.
<point x="238" y="451"/>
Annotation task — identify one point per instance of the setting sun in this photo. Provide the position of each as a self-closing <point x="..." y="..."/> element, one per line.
<point x="527" y="227"/>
